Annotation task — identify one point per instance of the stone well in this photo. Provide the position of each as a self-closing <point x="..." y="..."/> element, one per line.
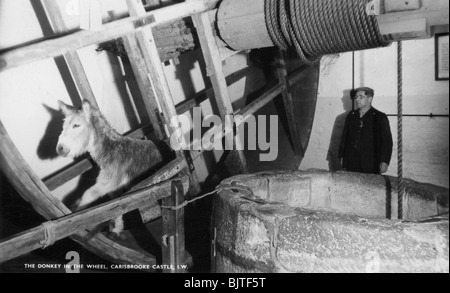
<point x="328" y="222"/>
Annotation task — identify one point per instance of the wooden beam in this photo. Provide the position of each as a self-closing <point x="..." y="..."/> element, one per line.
<point x="140" y="71"/>
<point x="209" y="92"/>
<point x="266" y="98"/>
<point x="214" y="66"/>
<point x="173" y="253"/>
<point x="63" y="227"/>
<point x="80" y="39"/>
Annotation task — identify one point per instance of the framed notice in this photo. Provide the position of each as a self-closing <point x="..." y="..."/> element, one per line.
<point x="441" y="55"/>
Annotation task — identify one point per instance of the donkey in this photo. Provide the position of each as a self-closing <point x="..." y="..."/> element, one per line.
<point x="122" y="160"/>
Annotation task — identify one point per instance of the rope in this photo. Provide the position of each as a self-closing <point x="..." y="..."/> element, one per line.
<point x="316" y="28"/>
<point x="232" y="187"/>
<point x="49" y="235"/>
<point x="401" y="189"/>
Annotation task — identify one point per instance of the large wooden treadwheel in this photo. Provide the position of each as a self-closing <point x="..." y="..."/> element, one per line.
<point x="34" y="191"/>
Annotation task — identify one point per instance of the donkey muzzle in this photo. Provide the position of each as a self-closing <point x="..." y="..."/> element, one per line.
<point x="62" y="150"/>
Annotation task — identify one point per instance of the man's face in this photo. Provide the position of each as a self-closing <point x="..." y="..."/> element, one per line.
<point x="362" y="100"/>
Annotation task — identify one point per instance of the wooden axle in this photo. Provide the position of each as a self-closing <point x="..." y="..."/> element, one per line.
<point x="242" y="24"/>
<point x="404" y="20"/>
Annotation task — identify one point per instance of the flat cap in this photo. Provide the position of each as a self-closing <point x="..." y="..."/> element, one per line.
<point x="369" y="91"/>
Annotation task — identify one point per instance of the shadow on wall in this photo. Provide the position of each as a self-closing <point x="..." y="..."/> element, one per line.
<point x="334" y="163"/>
<point x="47" y="146"/>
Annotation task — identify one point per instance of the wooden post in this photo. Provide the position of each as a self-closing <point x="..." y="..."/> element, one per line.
<point x="213" y="61"/>
<point x="289" y="105"/>
<point x="173" y="255"/>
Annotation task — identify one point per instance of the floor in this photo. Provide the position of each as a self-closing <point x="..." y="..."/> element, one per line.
<point x="17" y="216"/>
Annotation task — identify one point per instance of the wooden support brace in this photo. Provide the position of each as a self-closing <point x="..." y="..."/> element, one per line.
<point x="144" y="83"/>
<point x="289" y="105"/>
<point x="173" y="231"/>
<point x="213" y="61"/>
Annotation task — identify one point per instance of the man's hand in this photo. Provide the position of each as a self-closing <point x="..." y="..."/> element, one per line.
<point x="383" y="168"/>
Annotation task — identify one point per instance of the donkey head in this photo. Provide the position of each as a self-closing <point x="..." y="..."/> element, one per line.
<point x="76" y="134"/>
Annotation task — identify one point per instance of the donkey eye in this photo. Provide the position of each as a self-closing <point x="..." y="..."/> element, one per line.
<point x="76" y="125"/>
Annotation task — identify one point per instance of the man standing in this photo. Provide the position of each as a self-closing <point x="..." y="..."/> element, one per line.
<point x="366" y="144"/>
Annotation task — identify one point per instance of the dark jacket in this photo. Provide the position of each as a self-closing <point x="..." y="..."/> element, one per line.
<point x="366" y="142"/>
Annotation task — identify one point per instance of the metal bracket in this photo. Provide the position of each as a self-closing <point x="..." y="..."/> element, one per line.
<point x="190" y="163"/>
<point x="144" y="21"/>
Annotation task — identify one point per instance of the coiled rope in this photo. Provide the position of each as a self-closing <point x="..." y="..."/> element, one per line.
<point x="321" y="27"/>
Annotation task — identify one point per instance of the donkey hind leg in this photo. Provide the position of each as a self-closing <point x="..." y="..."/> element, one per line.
<point x="92" y="194"/>
<point x="116" y="228"/>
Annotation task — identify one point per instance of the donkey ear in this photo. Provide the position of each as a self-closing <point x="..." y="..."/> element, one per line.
<point x="66" y="109"/>
<point x="87" y="109"/>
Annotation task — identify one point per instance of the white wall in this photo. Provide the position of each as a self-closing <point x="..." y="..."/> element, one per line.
<point x="425" y="140"/>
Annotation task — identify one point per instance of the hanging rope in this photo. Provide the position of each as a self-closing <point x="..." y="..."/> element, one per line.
<point x="316" y="28"/>
<point x="401" y="189"/>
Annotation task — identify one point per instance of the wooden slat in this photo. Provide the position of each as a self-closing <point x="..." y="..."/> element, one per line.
<point x="159" y="82"/>
<point x="213" y="61"/>
<point x="266" y="98"/>
<point x="80" y="39"/>
<point x="209" y="92"/>
<point x="68" y="174"/>
<point x="144" y="83"/>
<point x="173" y="253"/>
<point x="63" y="227"/>
<point x="289" y="106"/>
